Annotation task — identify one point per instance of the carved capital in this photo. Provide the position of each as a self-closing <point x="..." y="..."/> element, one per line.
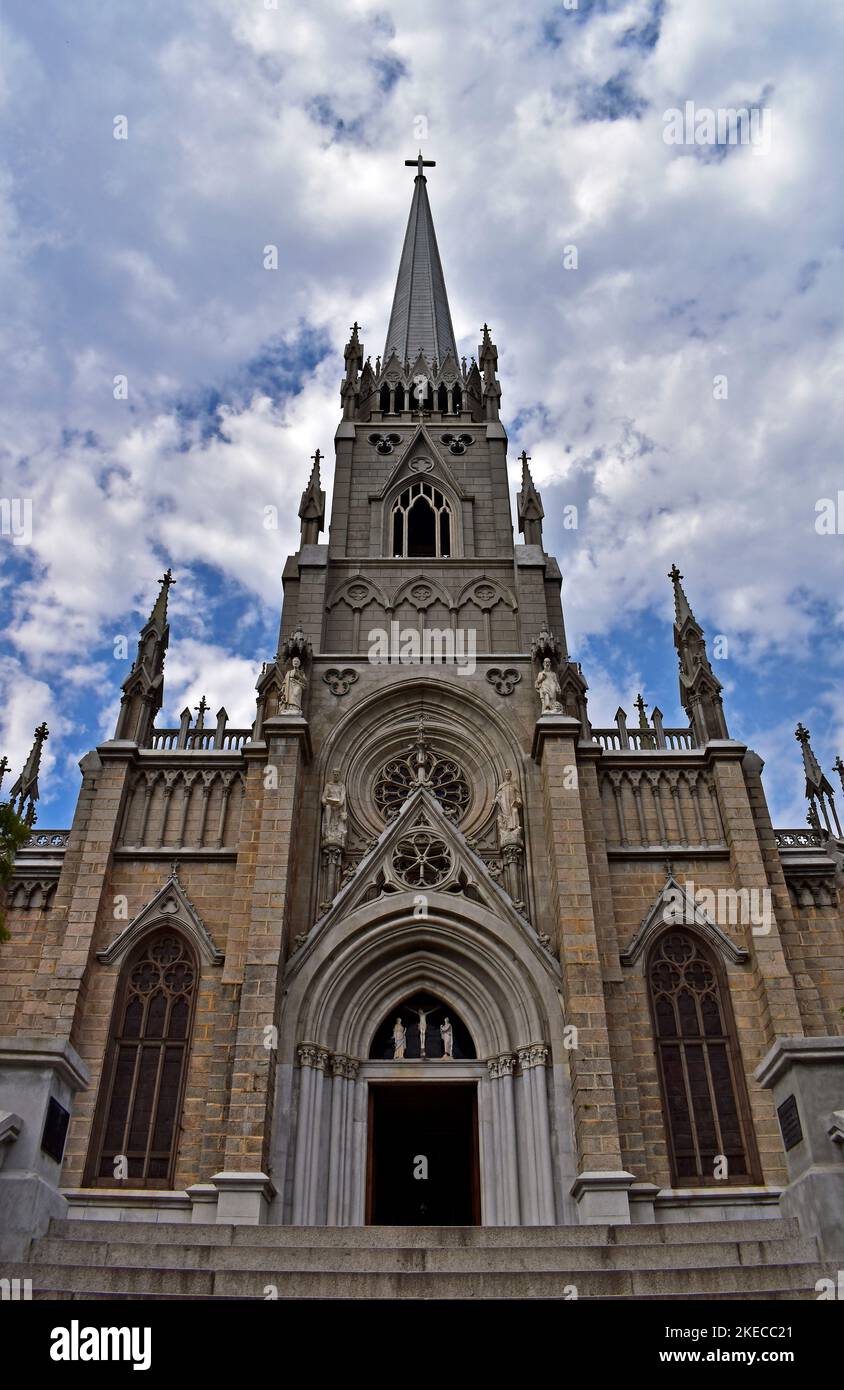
<point x="534" y="1055"/>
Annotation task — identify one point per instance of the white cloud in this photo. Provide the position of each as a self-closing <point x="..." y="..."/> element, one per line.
<point x="251" y="126"/>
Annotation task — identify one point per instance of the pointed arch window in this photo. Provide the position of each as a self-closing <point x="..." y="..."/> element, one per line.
<point x="422" y="523"/>
<point x="143" y="1083"/>
<point x="703" y="1092"/>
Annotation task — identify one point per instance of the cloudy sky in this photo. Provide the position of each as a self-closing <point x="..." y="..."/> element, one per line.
<point x="682" y="385"/>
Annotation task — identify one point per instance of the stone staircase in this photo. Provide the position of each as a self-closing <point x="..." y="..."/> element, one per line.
<point x="759" y="1259"/>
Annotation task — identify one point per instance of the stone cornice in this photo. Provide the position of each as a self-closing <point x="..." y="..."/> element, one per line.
<point x="49" y="1054"/>
<point x="788" y="1052"/>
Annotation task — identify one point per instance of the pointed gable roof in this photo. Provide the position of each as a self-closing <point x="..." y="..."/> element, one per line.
<point x="420" y="317"/>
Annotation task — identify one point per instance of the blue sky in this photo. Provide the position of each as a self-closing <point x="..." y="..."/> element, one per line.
<point x="250" y="126"/>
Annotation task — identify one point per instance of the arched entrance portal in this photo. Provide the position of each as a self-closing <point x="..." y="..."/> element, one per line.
<point x="505" y="1109"/>
<point x="422" y="1135"/>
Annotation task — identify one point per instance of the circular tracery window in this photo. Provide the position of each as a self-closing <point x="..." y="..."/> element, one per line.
<point x="422" y="767"/>
<point x="422" y="860"/>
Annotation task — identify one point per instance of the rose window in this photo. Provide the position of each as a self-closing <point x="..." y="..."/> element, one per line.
<point x="422" y="860"/>
<point x="422" y="767"/>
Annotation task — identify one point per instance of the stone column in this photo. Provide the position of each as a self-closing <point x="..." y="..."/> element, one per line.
<point x="501" y="1072"/>
<point x="596" y="1127"/>
<point x="775" y="1012"/>
<point x="344" y="1072"/>
<point x="54" y="1015"/>
<point x="250" y="1115"/>
<point x="537" y="1185"/>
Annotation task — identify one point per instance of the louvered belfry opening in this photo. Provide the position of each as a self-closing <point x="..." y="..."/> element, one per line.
<point x="705" y="1105"/>
<point x="144" y="1078"/>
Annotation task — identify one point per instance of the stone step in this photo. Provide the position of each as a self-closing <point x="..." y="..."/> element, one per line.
<point x="390" y="1237"/>
<point x="716" y="1282"/>
<point x="731" y="1295"/>
<point x="550" y="1258"/>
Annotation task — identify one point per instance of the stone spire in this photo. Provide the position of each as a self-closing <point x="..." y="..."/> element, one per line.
<point x="818" y="789"/>
<point x="350" y="387"/>
<point x="488" y="363"/>
<point x="700" y="689"/>
<point x="529" y="506"/>
<point x="420" y="318"/>
<point x="312" y="506"/>
<point x="143" y="688"/>
<point x="24" y="793"/>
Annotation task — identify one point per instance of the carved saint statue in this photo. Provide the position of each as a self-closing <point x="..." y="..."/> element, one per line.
<point x="293" y="688"/>
<point x="509" y="804"/>
<point x="447" y="1035"/>
<point x="549" y="689"/>
<point x="334" y="824"/>
<point x="399" y="1039"/>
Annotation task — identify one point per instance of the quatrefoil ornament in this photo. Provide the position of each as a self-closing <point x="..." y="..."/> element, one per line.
<point x="457" y="443"/>
<point x="505" y="681"/>
<point x="340" y="682"/>
<point x="384" y="442"/>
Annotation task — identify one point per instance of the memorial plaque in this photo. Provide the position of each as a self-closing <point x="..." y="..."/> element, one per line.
<point x="55" y="1130"/>
<point x="790" y="1127"/>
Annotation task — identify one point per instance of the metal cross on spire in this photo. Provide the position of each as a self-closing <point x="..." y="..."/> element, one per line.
<point x="420" y="164"/>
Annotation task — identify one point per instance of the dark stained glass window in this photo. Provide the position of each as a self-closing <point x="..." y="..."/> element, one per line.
<point x="144" y="1078"/>
<point x="699" y="1063"/>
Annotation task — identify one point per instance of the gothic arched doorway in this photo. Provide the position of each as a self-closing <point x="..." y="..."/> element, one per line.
<point x="422" y="1152"/>
<point x="345" y="990"/>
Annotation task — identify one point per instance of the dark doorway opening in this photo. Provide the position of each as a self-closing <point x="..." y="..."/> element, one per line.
<point x="423" y="1155"/>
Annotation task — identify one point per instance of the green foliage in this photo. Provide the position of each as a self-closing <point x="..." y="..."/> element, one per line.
<point x="14" y="833"/>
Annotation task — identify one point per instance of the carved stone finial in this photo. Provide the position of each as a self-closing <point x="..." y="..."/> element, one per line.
<point x="296" y="645"/>
<point x="24" y="792"/>
<point x="545" y="644"/>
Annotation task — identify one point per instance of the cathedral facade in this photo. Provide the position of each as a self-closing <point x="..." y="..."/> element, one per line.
<point x="423" y="946"/>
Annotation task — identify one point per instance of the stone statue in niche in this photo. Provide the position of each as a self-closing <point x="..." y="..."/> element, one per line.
<point x="399" y="1039"/>
<point x="334" y="820"/>
<point x="509" y="804"/>
<point x="548" y="688"/>
<point x="293" y="689"/>
<point x="447" y="1035"/>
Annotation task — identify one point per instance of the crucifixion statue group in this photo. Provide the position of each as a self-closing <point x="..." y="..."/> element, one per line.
<point x="400" y="1035"/>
